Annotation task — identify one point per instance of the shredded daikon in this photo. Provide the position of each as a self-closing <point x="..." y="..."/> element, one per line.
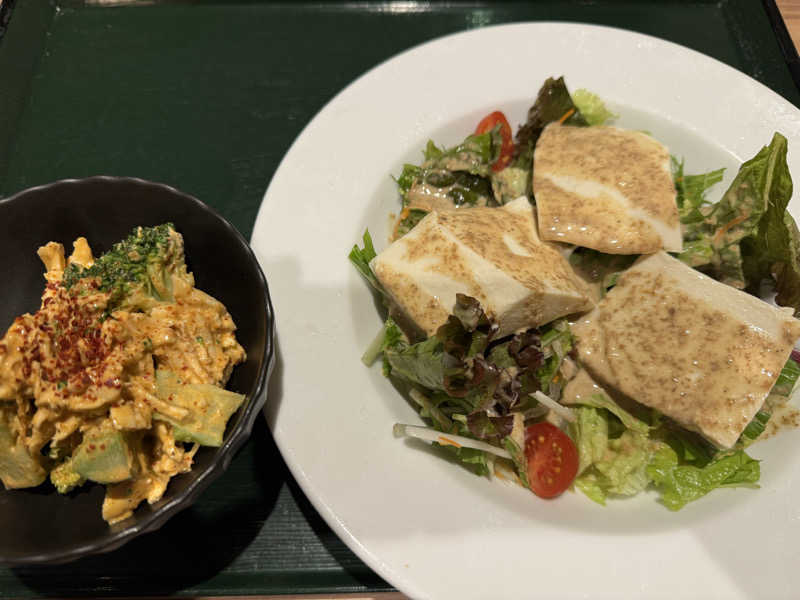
<point x="561" y="411"/>
<point x="431" y="435"/>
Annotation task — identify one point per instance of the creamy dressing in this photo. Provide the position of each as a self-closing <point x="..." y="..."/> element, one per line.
<point x="425" y="196"/>
<point x="579" y="388"/>
<point x="491" y="254"/>
<point x="605" y="188"/>
<point x="699" y="351"/>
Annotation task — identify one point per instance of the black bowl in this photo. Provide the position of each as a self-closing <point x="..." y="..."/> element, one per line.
<point x="39" y="525"/>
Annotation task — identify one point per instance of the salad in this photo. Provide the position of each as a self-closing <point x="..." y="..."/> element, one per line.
<point x="119" y="377"/>
<point x="567" y="309"/>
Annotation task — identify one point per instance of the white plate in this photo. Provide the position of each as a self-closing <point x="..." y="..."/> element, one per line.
<point x="428" y="526"/>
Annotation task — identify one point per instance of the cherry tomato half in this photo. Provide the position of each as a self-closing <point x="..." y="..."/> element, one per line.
<point x="552" y="459"/>
<point x="507" y="149"/>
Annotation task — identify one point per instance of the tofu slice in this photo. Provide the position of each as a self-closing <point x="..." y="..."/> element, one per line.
<point x="605" y="188"/>
<point x="491" y="254"/>
<point x="699" y="351"/>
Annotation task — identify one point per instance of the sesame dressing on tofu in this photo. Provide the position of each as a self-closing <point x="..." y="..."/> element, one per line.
<point x="491" y="254"/>
<point x="699" y="351"/>
<point x="605" y="188"/>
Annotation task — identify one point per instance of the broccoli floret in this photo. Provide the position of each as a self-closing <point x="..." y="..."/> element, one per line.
<point x="139" y="271"/>
<point x="64" y="477"/>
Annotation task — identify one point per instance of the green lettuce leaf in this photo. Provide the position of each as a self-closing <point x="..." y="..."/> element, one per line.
<point x="688" y="446"/>
<point x="763" y="182"/>
<point x="414" y="216"/>
<point x="628" y="420"/>
<point x="407" y="177"/>
<point x="748" y="236"/>
<point x="361" y="257"/>
<point x="609" y="465"/>
<point x="681" y="484"/>
<point x="772" y="248"/>
<point x="421" y="363"/>
<point x="510" y="183"/>
<point x="389" y="336"/>
<point x="691" y="192"/>
<point x="599" y="268"/>
<point x="460" y="173"/>
<point x="693" y="209"/>
<point x="474" y="155"/>
<point x="518" y="458"/>
<point x="475" y="460"/>
<point x="592" y="107"/>
<point x="590" y="433"/>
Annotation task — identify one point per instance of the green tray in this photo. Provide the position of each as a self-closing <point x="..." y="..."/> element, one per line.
<point x="208" y="96"/>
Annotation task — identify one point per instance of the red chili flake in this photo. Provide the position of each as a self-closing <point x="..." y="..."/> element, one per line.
<point x="92" y="446"/>
<point x="102" y="446"/>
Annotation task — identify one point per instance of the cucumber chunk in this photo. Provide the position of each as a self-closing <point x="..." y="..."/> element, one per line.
<point x="208" y="407"/>
<point x="104" y="456"/>
<point x="18" y="468"/>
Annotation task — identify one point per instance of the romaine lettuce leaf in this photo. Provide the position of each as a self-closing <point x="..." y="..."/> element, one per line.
<point x="688" y="446"/>
<point x="610" y="465"/>
<point x="681" y="484"/>
<point x="590" y="434"/>
<point x="624" y="465"/>
<point x="592" y="107"/>
<point x="604" y="401"/>
<point x="518" y="458"/>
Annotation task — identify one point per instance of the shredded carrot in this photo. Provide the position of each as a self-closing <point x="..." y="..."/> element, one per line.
<point x="724" y="229"/>
<point x="566" y="116"/>
<point x="499" y="474"/>
<point x="556" y="377"/>
<point x="449" y="441"/>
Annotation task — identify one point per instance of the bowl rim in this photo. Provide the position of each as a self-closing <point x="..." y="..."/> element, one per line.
<point x="256" y="396"/>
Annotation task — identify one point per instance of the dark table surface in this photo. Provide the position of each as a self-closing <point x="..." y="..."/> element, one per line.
<point x="207" y="96"/>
